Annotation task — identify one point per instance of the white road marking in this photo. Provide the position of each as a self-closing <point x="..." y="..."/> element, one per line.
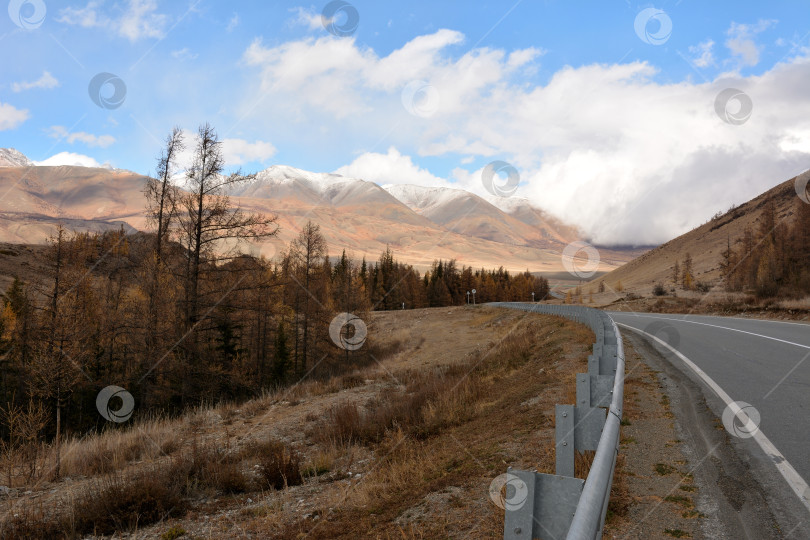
<point x="794" y="480"/>
<point x="724" y="328"/>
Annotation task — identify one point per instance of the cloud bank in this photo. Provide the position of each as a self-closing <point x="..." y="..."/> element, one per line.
<point x="630" y="159"/>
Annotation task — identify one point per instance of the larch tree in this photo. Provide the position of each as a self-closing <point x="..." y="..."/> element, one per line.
<point x="207" y="219"/>
<point x="307" y="253"/>
<point x="210" y="229"/>
<point x="161" y="209"/>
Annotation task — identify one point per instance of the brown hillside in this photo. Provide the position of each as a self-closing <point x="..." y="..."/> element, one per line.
<point x="354" y="215"/>
<point x="705" y="243"/>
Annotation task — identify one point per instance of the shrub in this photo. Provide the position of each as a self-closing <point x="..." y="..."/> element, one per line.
<point x="172" y="534"/>
<point x="279" y="465"/>
<point x="344" y="423"/>
<point x="659" y="290"/>
<point x="29" y="522"/>
<point x="116" y="502"/>
<point x="212" y="468"/>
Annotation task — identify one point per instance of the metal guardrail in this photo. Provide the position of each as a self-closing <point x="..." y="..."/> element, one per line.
<point x="556" y="506"/>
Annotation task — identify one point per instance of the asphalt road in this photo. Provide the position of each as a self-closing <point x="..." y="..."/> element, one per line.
<point x="763" y="363"/>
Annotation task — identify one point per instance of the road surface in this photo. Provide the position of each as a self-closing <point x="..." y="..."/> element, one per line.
<point x="763" y="363"/>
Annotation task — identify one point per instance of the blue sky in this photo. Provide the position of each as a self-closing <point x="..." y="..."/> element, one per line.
<point x="597" y="121"/>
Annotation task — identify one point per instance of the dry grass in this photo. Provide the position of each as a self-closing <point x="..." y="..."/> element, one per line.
<point x="718" y="303"/>
<point x="110" y="503"/>
<point x="799" y="304"/>
<point x="279" y="466"/>
<point x="443" y="430"/>
<point x="123" y="501"/>
<point x="113" y="450"/>
<point x="427" y="401"/>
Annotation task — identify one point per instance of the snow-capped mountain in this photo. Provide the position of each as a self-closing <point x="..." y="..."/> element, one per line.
<point x="518" y="222"/>
<point x="420" y="224"/>
<point x="10" y="157"/>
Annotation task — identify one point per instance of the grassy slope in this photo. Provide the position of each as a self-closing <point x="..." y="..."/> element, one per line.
<point x="705" y="243"/>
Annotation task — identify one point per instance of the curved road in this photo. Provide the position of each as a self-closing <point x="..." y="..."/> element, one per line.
<point x="763" y="363"/>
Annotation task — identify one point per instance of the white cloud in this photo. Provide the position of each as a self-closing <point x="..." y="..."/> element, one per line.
<point x="86" y="17"/>
<point x="233" y="23"/>
<point x="60" y="132"/>
<point x="703" y="56"/>
<point x="69" y="158"/>
<point x="46" y="81"/>
<point x="184" y="54"/>
<point x="240" y="151"/>
<point x="390" y="168"/>
<point x="236" y="152"/>
<point x="139" y="19"/>
<point x="11" y="117"/>
<point x="608" y="147"/>
<point x="741" y="41"/>
<point x="307" y="17"/>
<point x="797" y="140"/>
<point x="334" y="75"/>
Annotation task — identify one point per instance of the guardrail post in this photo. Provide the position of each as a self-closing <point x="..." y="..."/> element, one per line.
<point x="564" y="433"/>
<point x="548" y="510"/>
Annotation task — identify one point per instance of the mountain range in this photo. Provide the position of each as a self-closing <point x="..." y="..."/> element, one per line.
<point x="420" y="224"/>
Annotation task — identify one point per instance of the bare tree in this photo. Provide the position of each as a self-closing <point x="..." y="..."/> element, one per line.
<point x="207" y="218"/>
<point x="161" y="202"/>
<point x="161" y="194"/>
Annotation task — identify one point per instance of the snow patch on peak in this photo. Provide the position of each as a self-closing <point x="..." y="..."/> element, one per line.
<point x="423" y="198"/>
<point x="510" y="204"/>
<point x="9" y="157"/>
<point x="286" y="174"/>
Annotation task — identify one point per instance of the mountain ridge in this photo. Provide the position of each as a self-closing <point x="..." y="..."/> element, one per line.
<point x="358" y="215"/>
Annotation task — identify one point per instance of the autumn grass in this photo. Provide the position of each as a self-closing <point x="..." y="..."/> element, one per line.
<point x="127" y="500"/>
<point x="443" y="429"/>
<point x="114" y="449"/>
<point x="797" y="304"/>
